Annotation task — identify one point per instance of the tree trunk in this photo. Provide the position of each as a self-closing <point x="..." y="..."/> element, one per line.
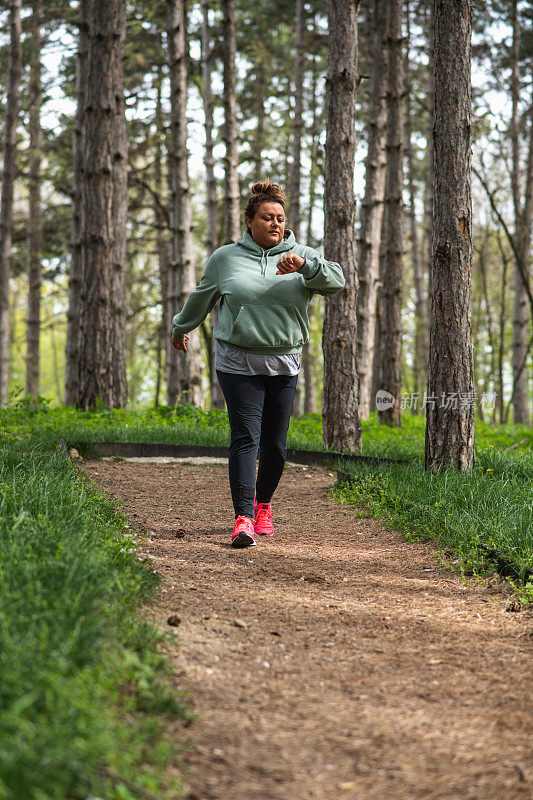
<point x="476" y="325"/>
<point x="35" y="213"/>
<point x="217" y="398"/>
<point x="376" y="350"/>
<point x="297" y="123"/>
<point x="341" y="425"/>
<point x="389" y="410"/>
<point x="103" y="229"/>
<point x="285" y="146"/>
<point x="372" y="211"/>
<point x="308" y="373"/>
<point x="515" y="116"/>
<point x="428" y="199"/>
<point x="9" y="172"/>
<point x="161" y="221"/>
<point x="231" y="159"/>
<point x="313" y="155"/>
<point x="296" y="152"/>
<point x="420" y="355"/>
<point x="308" y="362"/>
<point x="490" y="375"/>
<point x="184" y="376"/>
<point x="55" y="361"/>
<point x="501" y="332"/>
<point x="523" y="213"/>
<point x="310" y="404"/>
<point x="209" y="158"/>
<point x="259" y="139"/>
<point x="521" y="320"/>
<point x="72" y="355"/>
<point x="450" y="400"/>
<point x="120" y="216"/>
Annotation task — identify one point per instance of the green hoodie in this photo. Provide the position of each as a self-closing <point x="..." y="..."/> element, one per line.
<point x="260" y="311"/>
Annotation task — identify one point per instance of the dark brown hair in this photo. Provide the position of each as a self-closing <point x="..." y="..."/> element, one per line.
<point x="264" y="192"/>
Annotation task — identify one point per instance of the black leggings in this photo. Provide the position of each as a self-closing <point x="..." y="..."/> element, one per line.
<point x="259" y="410"/>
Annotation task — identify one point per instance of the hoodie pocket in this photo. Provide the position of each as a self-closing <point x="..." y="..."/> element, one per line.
<point x="265" y="326"/>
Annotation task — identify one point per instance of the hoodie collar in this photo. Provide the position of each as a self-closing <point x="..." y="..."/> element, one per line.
<point x="286" y="244"/>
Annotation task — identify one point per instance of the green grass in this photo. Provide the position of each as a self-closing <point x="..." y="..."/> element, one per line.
<point x="83" y="691"/>
<point x="43" y="426"/>
<point x="491" y="506"/>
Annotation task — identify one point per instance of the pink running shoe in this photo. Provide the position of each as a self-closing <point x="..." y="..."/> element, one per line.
<point x="243" y="532"/>
<point x="263" y="519"/>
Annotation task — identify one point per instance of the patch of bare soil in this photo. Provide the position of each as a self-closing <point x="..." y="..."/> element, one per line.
<point x="335" y="660"/>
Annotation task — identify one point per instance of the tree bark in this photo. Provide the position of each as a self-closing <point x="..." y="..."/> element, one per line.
<point x="217" y="398"/>
<point x="161" y="221"/>
<point x="501" y="328"/>
<point x="101" y="364"/>
<point x="55" y="360"/>
<point x="428" y="199"/>
<point x="341" y="425"/>
<point x="476" y="326"/>
<point x="515" y="115"/>
<point x="308" y="372"/>
<point x="420" y="355"/>
<point x="310" y="404"/>
<point x="120" y="216"/>
<point x="35" y="212"/>
<point x="78" y="157"/>
<point x="522" y="213"/>
<point x="9" y="172"/>
<point x="391" y="331"/>
<point x="521" y="321"/>
<point x="376" y="361"/>
<point x="315" y="170"/>
<point x="296" y="151"/>
<point x="372" y="211"/>
<point x="209" y="158"/>
<point x="231" y="183"/>
<point x="297" y="123"/>
<point x="308" y="362"/>
<point x="488" y="311"/>
<point x="260" y="137"/>
<point x="285" y="146"/>
<point x="450" y="393"/>
<point x="184" y="376"/>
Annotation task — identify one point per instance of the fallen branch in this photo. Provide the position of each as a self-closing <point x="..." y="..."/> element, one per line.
<point x="515" y="445"/>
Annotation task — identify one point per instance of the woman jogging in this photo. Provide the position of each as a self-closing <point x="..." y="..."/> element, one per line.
<point x="265" y="281"/>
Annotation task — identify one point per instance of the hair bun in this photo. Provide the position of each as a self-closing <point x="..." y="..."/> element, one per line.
<point x="273" y="190"/>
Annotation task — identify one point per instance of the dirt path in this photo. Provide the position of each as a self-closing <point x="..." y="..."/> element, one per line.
<point x="357" y="669"/>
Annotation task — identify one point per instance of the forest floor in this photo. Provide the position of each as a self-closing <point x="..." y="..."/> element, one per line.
<point x="335" y="661"/>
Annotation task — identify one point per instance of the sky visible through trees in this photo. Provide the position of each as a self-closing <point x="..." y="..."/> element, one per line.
<point x="63" y="44"/>
<point x="265" y="60"/>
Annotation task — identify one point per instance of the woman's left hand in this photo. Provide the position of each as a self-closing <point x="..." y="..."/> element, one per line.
<point x="289" y="262"/>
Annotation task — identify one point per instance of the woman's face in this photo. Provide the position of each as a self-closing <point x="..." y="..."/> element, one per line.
<point x="268" y="225"/>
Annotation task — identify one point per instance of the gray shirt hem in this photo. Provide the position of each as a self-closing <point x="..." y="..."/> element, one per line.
<point x="242" y="362"/>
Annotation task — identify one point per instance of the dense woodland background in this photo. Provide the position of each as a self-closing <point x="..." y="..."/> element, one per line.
<point x="277" y="103"/>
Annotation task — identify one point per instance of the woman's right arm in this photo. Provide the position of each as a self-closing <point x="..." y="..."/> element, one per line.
<point x="199" y="303"/>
